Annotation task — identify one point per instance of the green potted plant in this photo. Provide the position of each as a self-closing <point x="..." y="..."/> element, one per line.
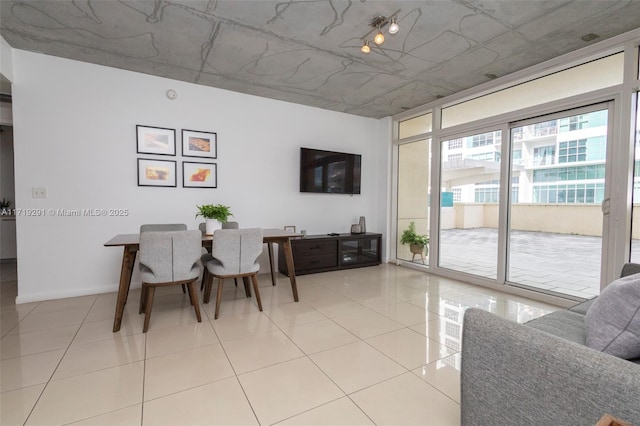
<point x="417" y="242"/>
<point x="215" y="215"/>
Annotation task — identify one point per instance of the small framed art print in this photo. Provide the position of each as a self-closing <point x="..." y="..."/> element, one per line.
<point x="199" y="144"/>
<point x="199" y="175"/>
<point x="155" y="140"/>
<point x="156" y="172"/>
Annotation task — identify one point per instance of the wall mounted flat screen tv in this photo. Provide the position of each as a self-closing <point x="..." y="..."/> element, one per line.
<point x="329" y="172"/>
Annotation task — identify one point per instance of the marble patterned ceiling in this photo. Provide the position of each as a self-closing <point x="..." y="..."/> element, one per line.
<point x="308" y="51"/>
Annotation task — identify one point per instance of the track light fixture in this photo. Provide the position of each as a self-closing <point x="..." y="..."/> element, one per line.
<point x="365" y="47"/>
<point x="379" y="38"/>
<point x="394" y="27"/>
<point x="378" y="23"/>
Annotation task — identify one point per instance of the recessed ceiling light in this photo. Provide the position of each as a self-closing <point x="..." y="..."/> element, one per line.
<point x="589" y="37"/>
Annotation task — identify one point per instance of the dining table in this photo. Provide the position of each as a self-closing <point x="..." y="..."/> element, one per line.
<point x="131" y="244"/>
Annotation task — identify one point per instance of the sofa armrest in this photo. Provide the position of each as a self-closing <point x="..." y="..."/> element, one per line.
<point x="512" y="374"/>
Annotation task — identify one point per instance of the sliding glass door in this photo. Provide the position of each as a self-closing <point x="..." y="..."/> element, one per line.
<point x="558" y="185"/>
<point x="553" y="226"/>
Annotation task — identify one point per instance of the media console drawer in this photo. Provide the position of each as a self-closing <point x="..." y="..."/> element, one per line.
<point x="320" y="253"/>
<point x="308" y="247"/>
<point x="320" y="261"/>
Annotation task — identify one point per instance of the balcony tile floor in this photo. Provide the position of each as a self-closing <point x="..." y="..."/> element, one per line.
<point x="559" y="263"/>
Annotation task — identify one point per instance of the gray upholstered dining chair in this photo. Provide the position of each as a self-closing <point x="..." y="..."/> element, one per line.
<point x="206" y="256"/>
<point x="225" y="225"/>
<point x="234" y="255"/>
<point x="155" y="227"/>
<point x="169" y="258"/>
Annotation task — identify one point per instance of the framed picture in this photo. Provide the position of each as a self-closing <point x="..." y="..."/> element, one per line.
<point x="290" y="228"/>
<point x="156" y="172"/>
<point x="155" y="140"/>
<point x="199" y="175"/>
<point x="199" y="144"/>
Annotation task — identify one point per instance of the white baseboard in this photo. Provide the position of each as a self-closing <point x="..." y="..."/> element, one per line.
<point x="51" y="295"/>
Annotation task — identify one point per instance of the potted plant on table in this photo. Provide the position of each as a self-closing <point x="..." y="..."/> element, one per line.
<point x="417" y="242"/>
<point x="215" y="215"/>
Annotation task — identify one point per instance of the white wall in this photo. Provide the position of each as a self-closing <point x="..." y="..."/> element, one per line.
<point x="74" y="132"/>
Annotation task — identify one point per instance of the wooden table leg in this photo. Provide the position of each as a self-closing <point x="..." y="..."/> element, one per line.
<point x="128" y="259"/>
<point x="132" y="261"/>
<point x="271" y="265"/>
<point x="288" y="256"/>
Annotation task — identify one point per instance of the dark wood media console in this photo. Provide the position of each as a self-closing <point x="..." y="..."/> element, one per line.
<point x="321" y="253"/>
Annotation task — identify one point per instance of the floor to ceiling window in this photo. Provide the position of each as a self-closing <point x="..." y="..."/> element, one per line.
<point x="469" y="196"/>
<point x="414" y="170"/>
<point x="522" y="180"/>
<point x="413" y="197"/>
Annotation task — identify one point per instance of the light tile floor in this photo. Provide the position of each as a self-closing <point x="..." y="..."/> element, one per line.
<point x="378" y="345"/>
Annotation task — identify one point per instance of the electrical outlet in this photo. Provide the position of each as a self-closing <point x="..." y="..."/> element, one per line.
<point x="38" y="192"/>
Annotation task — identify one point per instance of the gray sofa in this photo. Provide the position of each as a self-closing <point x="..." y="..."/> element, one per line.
<point x="542" y="372"/>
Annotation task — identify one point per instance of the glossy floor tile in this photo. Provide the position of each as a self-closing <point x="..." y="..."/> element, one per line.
<point x="89" y="395"/>
<point x="286" y="389"/>
<point x="357" y="365"/>
<point x="340" y="412"/>
<point x="368" y="346"/>
<point x="179" y="371"/>
<point x="218" y="403"/>
<point x="414" y="402"/>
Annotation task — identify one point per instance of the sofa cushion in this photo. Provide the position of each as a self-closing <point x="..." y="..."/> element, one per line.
<point x="613" y="320"/>
<point x="583" y="307"/>
<point x="565" y="324"/>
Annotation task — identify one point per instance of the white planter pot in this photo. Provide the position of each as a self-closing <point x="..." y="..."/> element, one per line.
<point x="212" y="225"/>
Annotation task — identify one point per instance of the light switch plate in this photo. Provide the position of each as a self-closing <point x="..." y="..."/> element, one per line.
<point x="39" y="192"/>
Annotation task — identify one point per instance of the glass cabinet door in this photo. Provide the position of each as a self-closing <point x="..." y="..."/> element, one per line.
<point x="360" y="250"/>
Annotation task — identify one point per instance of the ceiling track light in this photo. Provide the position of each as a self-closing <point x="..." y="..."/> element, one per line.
<point x="365" y="47"/>
<point x="379" y="38"/>
<point x="378" y="23"/>
<point x="394" y="27"/>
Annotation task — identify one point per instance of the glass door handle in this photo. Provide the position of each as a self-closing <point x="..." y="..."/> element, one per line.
<point x="606" y="206"/>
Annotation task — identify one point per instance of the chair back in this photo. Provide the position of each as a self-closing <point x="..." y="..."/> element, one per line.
<point x="225" y="225"/>
<point x="155" y="227"/>
<point x="167" y="256"/>
<point x="236" y="250"/>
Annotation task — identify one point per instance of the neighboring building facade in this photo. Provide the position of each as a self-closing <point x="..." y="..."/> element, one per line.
<point x="554" y="162"/>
